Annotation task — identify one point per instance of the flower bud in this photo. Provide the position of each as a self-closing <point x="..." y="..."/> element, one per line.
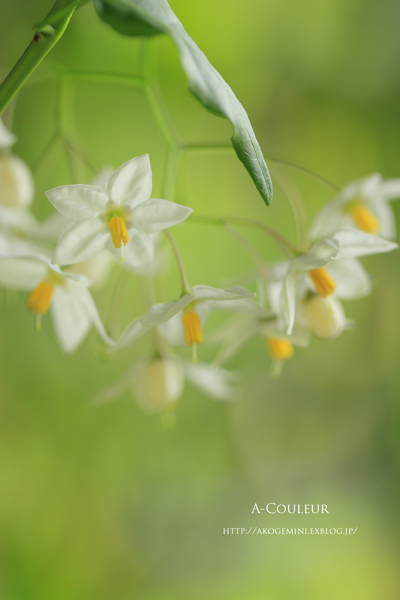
<point x="16" y="182"/>
<point x="324" y="316"/>
<point x="160" y="384"/>
<point x="7" y="138"/>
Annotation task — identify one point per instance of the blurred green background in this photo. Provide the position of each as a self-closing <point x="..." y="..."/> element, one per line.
<point x="105" y="502"/>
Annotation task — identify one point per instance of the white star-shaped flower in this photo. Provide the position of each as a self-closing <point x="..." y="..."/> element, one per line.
<point x="331" y="266"/>
<point x="120" y="216"/>
<point x="364" y="204"/>
<point x="238" y="332"/>
<point x="158" y="383"/>
<point x="65" y="294"/>
<point x="189" y="310"/>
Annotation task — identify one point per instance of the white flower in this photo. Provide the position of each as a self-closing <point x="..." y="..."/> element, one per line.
<point x="16" y="182"/>
<point x="158" y="383"/>
<point x="121" y="214"/>
<point x="7" y="139"/>
<point x="330" y="266"/>
<point x="262" y="321"/>
<point x="65" y="294"/>
<point x="322" y="316"/>
<point x="363" y="204"/>
<point x="189" y="307"/>
<point x="235" y="334"/>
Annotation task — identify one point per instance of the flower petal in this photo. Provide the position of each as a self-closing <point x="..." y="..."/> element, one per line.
<point x="52" y="227"/>
<point x="101" y="178"/>
<point x="289" y="302"/>
<point x="87" y="303"/>
<point x="78" y="201"/>
<point x="390" y="189"/>
<point x="159" y="313"/>
<point x="173" y="330"/>
<point x="234" y="335"/>
<point x="115" y="389"/>
<point x="96" y="269"/>
<point x="131" y="184"/>
<point x="366" y="188"/>
<point x="139" y="251"/>
<point x="354" y="242"/>
<point x="317" y="256"/>
<point x="7" y="138"/>
<point x="19" y="219"/>
<point x="71" y="322"/>
<point x="384" y="213"/>
<point x="206" y="292"/>
<point x="80" y="241"/>
<point x="131" y="333"/>
<point x="352" y="280"/>
<point x="74" y="312"/>
<point x="17" y="187"/>
<point x="21" y="273"/>
<point x="155" y="215"/>
<point x="212" y="380"/>
<point x="332" y="217"/>
<point x="300" y="336"/>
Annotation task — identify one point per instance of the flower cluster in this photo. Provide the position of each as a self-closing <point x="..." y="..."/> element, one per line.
<point x="114" y="218"/>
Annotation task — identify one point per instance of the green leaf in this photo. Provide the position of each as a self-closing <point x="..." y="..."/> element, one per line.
<point x="150" y="17"/>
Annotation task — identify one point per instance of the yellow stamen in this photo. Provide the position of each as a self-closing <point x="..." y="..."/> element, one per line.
<point x="324" y="284"/>
<point x="40" y="299"/>
<point x="365" y="218"/>
<point x="119" y="233"/>
<point x="280" y="349"/>
<point x="192" y="328"/>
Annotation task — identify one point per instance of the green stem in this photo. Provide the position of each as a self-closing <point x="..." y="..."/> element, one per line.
<point x="41" y="44"/>
<point x="258" y="259"/>
<point x="186" y="289"/>
<point x="286" y="246"/>
<point x="296" y="204"/>
<point x="308" y="171"/>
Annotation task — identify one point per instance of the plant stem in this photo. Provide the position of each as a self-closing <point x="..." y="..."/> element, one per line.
<point x="42" y="43"/>
<point x="288" y="248"/>
<point x="308" y="171"/>
<point x="296" y="204"/>
<point x="259" y="261"/>
<point x="186" y="289"/>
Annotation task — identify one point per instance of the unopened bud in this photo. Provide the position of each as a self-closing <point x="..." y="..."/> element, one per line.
<point x="160" y="384"/>
<point x="324" y="316"/>
<point x="16" y="182"/>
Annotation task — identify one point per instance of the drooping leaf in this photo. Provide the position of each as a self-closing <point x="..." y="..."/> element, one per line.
<point x="150" y="17"/>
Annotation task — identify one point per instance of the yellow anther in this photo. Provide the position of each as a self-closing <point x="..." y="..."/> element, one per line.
<point x="192" y="328"/>
<point x="324" y="284"/>
<point x="40" y="299"/>
<point x="119" y="233"/>
<point x="280" y="349"/>
<point x="365" y="218"/>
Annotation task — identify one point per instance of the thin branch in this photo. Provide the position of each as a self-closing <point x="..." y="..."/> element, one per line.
<point x="286" y="246"/>
<point x="319" y="178"/>
<point x="181" y="267"/>
<point x="43" y="41"/>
